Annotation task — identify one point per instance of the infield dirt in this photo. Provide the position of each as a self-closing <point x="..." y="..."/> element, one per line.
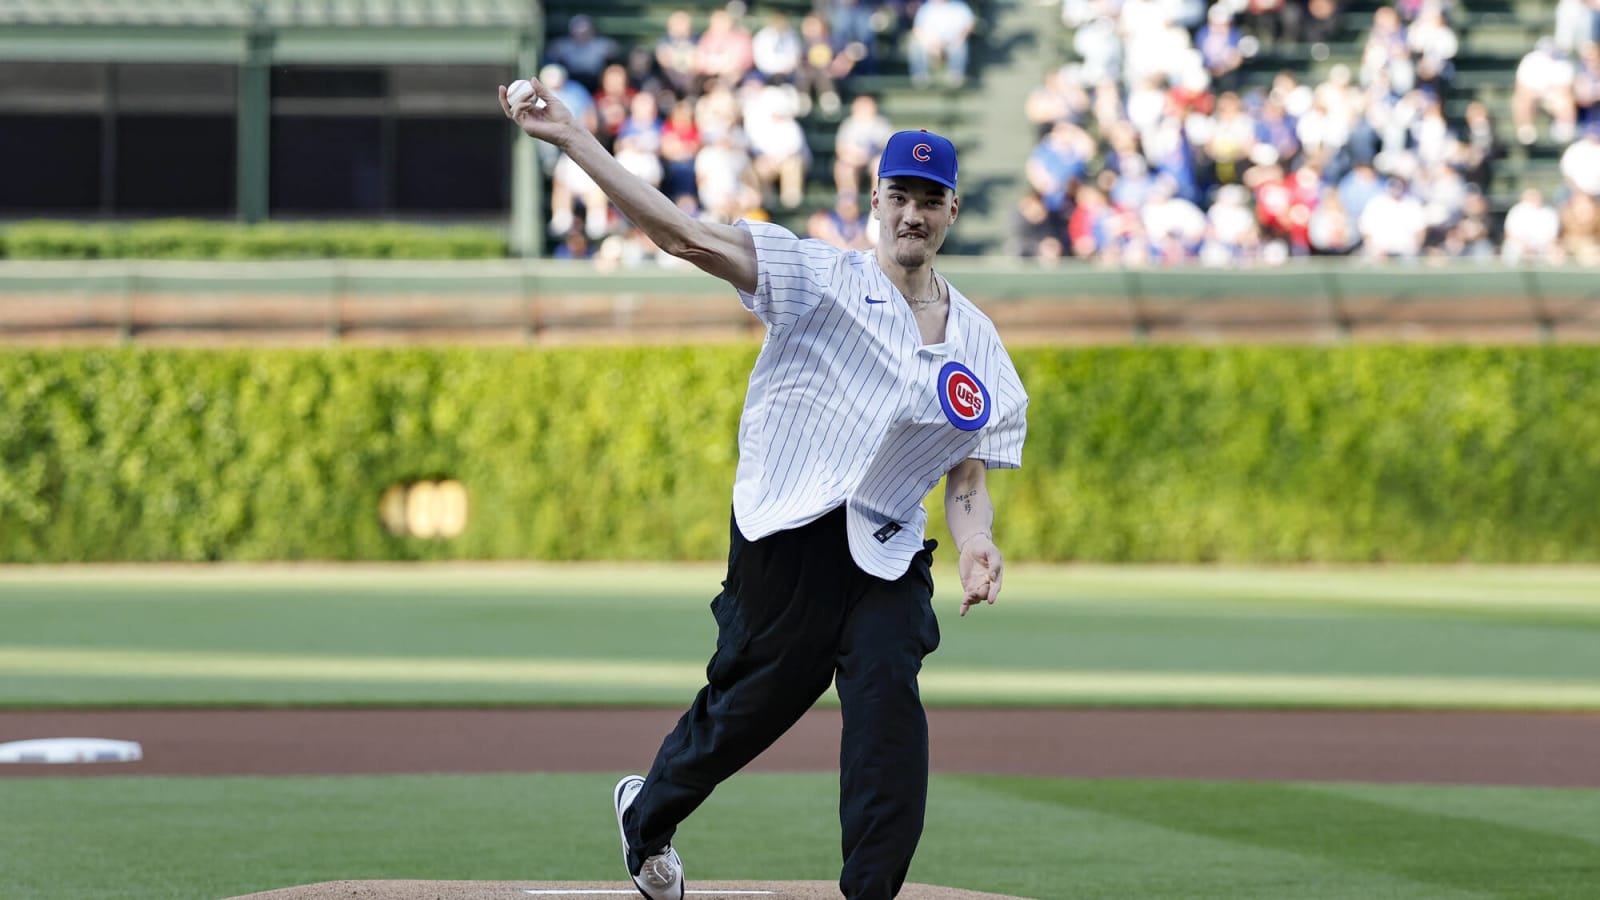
<point x="1550" y="749"/>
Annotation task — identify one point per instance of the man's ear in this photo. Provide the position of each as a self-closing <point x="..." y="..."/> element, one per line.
<point x="955" y="207"/>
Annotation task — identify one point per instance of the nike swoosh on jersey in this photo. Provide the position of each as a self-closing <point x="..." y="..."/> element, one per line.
<point x="870" y="300"/>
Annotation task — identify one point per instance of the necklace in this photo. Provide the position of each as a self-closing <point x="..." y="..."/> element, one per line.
<point x="920" y="305"/>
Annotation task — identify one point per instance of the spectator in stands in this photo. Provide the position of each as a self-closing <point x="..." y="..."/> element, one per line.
<point x="853" y="33"/>
<point x="1233" y="137"/>
<point x="858" y="144"/>
<point x="1320" y="25"/>
<point x="1580" y="163"/>
<point x="1443" y="193"/>
<point x="575" y="246"/>
<point x="1431" y="139"/>
<point x="583" y="53"/>
<point x="776" y="50"/>
<point x="1580" y="229"/>
<point x="680" y="143"/>
<point x="1577" y="23"/>
<point x="1358" y="188"/>
<point x="638" y="143"/>
<point x="821" y="69"/>
<point x="1434" y="45"/>
<point x="1058" y="162"/>
<point x="1129" y="188"/>
<point x="1033" y="223"/>
<point x="1170" y="150"/>
<point x="724" y="52"/>
<point x="569" y="186"/>
<point x="717" y="111"/>
<point x="1273" y="21"/>
<point x="1059" y="98"/>
<point x="613" y="102"/>
<point x="1473" y="236"/>
<point x="1479" y="147"/>
<point x="1544" y="80"/>
<point x="939" y="34"/>
<point x="644" y="75"/>
<point x="1218" y="43"/>
<point x="1174" y="226"/>
<point x="725" y="178"/>
<point x="1586" y="84"/>
<point x="1121" y="146"/>
<point x="844" y="226"/>
<point x="627" y="250"/>
<point x="677" y="54"/>
<point x="1330" y="230"/>
<point x="1099" y="49"/>
<point x="576" y="98"/>
<point x="1276" y="129"/>
<point x="777" y="141"/>
<point x="1146" y="106"/>
<point x="1532" y="230"/>
<point x="1232" y="235"/>
<point x="1087" y="224"/>
<point x="1393" y="225"/>
<point x="1386" y="57"/>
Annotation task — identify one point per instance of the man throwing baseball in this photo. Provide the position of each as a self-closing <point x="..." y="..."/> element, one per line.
<point x="876" y="380"/>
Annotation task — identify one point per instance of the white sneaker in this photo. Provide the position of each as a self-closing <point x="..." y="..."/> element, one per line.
<point x="661" y="876"/>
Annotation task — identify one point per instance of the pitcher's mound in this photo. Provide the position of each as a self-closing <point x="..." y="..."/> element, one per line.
<point x="587" y="890"/>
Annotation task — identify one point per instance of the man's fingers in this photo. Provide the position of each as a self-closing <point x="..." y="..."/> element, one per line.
<point x="994" y="590"/>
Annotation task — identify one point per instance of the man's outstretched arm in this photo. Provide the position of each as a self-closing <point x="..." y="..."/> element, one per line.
<point x="721" y="250"/>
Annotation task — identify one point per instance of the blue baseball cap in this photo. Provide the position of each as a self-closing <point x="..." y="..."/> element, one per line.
<point x="920" y="154"/>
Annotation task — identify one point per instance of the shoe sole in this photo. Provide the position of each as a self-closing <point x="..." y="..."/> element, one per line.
<point x="616" y="804"/>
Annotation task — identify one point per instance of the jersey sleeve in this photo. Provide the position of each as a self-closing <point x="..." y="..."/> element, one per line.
<point x="1001" y="444"/>
<point x="791" y="274"/>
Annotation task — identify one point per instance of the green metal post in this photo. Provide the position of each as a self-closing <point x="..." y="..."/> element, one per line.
<point x="255" y="122"/>
<point x="527" y="184"/>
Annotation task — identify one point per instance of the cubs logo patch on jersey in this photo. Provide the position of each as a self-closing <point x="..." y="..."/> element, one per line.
<point x="963" y="396"/>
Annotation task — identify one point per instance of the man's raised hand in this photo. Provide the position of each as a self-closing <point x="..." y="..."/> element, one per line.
<point x="552" y="122"/>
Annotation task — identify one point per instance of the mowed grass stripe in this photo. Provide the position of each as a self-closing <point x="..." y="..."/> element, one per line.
<point x="939" y="683"/>
<point x="177" y="838"/>
<point x="1570" y="589"/>
<point x="1380" y="833"/>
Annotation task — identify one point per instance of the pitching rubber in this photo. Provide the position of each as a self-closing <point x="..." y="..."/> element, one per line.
<point x="574" y="890"/>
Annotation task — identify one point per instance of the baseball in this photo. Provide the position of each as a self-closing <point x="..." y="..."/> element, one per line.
<point x="519" y="90"/>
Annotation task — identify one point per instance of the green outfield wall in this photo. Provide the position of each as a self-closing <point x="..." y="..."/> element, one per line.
<point x="1352" y="453"/>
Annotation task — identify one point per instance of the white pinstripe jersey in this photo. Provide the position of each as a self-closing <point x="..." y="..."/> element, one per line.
<point x="847" y="405"/>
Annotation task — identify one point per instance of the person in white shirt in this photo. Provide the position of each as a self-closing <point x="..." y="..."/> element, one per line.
<point x="1580" y="163"/>
<point x="876" y="380"/>
<point x="1393" y="224"/>
<point x="939" y="31"/>
<point x="776" y="49"/>
<point x="1532" y="230"/>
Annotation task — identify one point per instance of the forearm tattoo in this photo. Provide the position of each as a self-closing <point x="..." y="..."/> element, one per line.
<point x="966" y="499"/>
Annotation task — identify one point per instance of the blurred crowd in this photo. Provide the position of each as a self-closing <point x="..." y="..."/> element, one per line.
<point x="1150" y="151"/>
<point x="712" y="113"/>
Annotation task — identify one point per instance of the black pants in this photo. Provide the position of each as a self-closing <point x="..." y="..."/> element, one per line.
<point x="795" y="614"/>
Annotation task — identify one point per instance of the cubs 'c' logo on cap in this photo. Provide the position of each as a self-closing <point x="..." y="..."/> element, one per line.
<point x="963" y="396"/>
<point x="922" y="152"/>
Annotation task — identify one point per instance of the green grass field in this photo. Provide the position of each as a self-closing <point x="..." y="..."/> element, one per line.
<point x="178" y="838"/>
<point x="1470" y="637"/>
<point x="1488" y="638"/>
